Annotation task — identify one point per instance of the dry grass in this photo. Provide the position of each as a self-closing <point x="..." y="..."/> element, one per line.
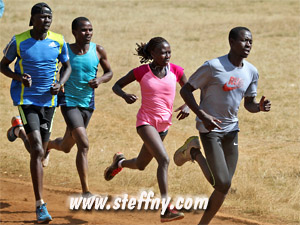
<point x="267" y="182"/>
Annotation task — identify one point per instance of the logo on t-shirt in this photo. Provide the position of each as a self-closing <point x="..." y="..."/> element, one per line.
<point x="233" y="83"/>
<point x="52" y="44"/>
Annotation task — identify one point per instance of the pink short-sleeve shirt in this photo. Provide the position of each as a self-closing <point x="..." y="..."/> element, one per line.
<point x="158" y="95"/>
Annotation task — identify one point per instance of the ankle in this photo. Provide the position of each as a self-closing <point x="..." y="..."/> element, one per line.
<point x="40" y="202"/>
<point x="194" y="153"/>
<point x="17" y="131"/>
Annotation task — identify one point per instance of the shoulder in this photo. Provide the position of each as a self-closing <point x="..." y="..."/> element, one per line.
<point x="56" y="37"/>
<point x="177" y="70"/>
<point x="140" y="71"/>
<point x="250" y="67"/>
<point x="22" y="36"/>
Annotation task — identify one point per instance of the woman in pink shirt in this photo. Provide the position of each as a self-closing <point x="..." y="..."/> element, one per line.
<point x="158" y="87"/>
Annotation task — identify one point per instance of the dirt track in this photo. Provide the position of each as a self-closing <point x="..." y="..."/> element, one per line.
<point x="17" y="204"/>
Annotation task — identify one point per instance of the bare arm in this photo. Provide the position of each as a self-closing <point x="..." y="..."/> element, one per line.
<point x="121" y="83"/>
<point x="24" y="78"/>
<point x="184" y="109"/>
<point x="64" y="76"/>
<point x="107" y="72"/>
<point x="252" y="106"/>
<point x="209" y="121"/>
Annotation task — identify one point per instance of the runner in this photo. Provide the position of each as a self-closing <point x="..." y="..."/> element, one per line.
<point x="77" y="101"/>
<point x="158" y="85"/>
<point x="223" y="82"/>
<point x="34" y="88"/>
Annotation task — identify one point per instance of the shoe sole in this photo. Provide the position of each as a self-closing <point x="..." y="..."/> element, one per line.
<point x="184" y="147"/>
<point x="10" y="135"/>
<point x="44" y="221"/>
<point x="108" y="178"/>
<point x="164" y="220"/>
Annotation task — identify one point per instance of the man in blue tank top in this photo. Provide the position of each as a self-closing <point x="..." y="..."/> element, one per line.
<point x="34" y="90"/>
<point x="77" y="101"/>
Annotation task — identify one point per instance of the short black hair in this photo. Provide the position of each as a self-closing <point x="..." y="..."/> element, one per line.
<point x="77" y="21"/>
<point x="234" y="33"/>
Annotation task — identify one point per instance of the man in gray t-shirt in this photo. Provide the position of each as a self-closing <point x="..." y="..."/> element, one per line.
<point x="223" y="82"/>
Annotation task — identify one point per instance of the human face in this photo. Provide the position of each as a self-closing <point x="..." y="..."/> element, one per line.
<point x="42" y="22"/>
<point x="161" y="54"/>
<point x="84" y="32"/>
<point x="242" y="45"/>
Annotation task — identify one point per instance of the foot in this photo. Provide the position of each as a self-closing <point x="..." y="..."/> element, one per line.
<point x="45" y="160"/>
<point x="42" y="214"/>
<point x="87" y="194"/>
<point x="113" y="169"/>
<point x="171" y="215"/>
<point x="183" y="154"/>
<point x="15" y="122"/>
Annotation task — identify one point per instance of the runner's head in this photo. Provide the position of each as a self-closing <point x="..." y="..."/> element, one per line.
<point x="240" y="40"/>
<point x="157" y="49"/>
<point x="82" y="30"/>
<point x="41" y="17"/>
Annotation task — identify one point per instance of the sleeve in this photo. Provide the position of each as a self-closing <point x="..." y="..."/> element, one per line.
<point x="64" y="55"/>
<point x="201" y="77"/>
<point x="10" y="51"/>
<point x="177" y="70"/>
<point x="252" y="89"/>
<point x="140" y="71"/>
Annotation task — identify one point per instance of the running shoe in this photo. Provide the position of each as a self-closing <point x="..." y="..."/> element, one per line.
<point x="45" y="160"/>
<point x="171" y="215"/>
<point x="183" y="154"/>
<point x="87" y="194"/>
<point x="113" y="169"/>
<point x="15" y="122"/>
<point x="42" y="214"/>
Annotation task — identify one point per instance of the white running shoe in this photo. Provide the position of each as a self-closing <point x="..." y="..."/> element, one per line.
<point x="183" y="154"/>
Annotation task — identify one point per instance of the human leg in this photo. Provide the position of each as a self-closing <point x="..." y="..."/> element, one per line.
<point x="212" y="143"/>
<point x="144" y="157"/>
<point x="154" y="145"/>
<point x="140" y="162"/>
<point x="82" y="143"/>
<point x="64" y="143"/>
<point x="190" y="151"/>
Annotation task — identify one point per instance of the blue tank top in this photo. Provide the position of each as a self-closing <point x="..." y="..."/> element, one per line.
<point x="84" y="68"/>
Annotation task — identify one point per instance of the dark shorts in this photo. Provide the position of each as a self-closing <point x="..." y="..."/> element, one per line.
<point x="37" y="118"/>
<point x="163" y="133"/>
<point x="76" y="116"/>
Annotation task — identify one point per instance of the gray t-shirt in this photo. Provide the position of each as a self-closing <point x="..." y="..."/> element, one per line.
<point x="223" y="87"/>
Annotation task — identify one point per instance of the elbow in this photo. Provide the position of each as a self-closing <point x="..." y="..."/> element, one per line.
<point x="115" y="88"/>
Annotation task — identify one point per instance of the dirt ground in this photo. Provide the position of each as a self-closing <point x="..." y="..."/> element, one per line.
<point x="17" y="204"/>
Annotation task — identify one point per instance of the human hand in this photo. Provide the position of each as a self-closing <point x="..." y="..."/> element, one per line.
<point x="26" y="80"/>
<point x="210" y="122"/>
<point x="184" y="112"/>
<point x="264" y="105"/>
<point x="55" y="88"/>
<point x="94" y="83"/>
<point x="129" y="98"/>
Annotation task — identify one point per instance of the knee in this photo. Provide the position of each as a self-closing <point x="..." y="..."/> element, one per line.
<point x="140" y="167"/>
<point x="37" y="152"/>
<point x="223" y="186"/>
<point x="66" y="149"/>
<point x="164" y="162"/>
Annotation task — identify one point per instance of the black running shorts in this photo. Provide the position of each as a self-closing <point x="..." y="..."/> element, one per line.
<point x="37" y="118"/>
<point x="76" y="116"/>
